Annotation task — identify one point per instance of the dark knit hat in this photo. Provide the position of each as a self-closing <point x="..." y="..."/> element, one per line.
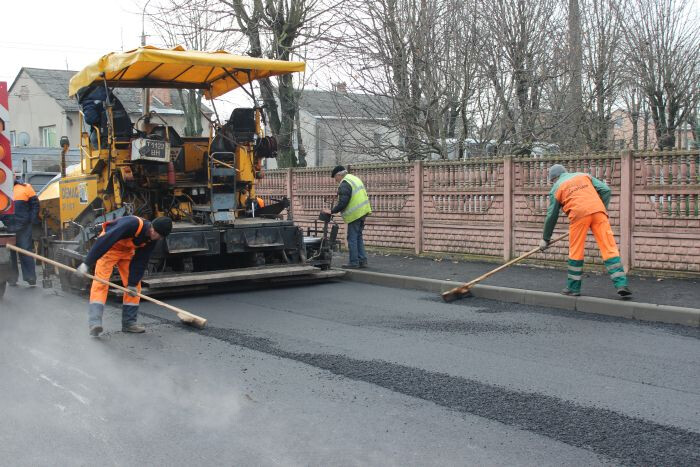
<point x="338" y="168"/>
<point x="555" y="171"/>
<point x="163" y="225"/>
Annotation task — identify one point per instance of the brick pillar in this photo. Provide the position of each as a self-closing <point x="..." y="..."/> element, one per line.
<point x="626" y="207"/>
<point x="508" y="181"/>
<point x="418" y="205"/>
<point x="290" y="193"/>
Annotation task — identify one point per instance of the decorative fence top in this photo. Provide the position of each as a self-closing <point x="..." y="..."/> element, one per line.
<point x="680" y="169"/>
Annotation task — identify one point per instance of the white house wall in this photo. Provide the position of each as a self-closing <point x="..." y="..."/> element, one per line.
<point x="38" y="110"/>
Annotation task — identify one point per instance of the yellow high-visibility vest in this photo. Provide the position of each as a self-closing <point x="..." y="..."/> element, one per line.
<point x="359" y="202"/>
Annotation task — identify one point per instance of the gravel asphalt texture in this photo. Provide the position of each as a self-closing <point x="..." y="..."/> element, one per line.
<point x="344" y="374"/>
<point x="661" y="291"/>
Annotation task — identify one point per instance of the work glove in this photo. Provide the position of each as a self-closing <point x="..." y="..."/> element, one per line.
<point x="544" y="244"/>
<point x="133" y="291"/>
<point x="82" y="269"/>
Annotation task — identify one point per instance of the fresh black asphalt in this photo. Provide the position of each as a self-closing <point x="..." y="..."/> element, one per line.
<point x="344" y="374"/>
<point x="625" y="439"/>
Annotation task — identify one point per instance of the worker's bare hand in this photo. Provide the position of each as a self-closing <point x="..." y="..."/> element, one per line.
<point x="133" y="291"/>
<point x="544" y="244"/>
<point x="82" y="269"/>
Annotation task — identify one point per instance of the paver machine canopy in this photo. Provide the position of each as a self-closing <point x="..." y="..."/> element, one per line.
<point x="223" y="231"/>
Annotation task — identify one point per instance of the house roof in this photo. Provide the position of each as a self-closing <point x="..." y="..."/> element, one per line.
<point x="55" y="84"/>
<point x="345" y="104"/>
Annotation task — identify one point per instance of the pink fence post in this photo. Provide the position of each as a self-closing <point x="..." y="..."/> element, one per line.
<point x="626" y="207"/>
<point x="508" y="181"/>
<point x="418" y="205"/>
<point x="290" y="192"/>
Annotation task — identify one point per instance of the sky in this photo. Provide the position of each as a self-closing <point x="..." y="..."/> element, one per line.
<point x="69" y="34"/>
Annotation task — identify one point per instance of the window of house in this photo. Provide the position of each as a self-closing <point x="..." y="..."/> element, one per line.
<point x="13" y="138"/>
<point x="24" y="92"/>
<point x="377" y="139"/>
<point x="48" y="136"/>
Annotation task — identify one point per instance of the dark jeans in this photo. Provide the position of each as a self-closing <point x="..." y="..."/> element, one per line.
<point x="356" y="245"/>
<point x="24" y="241"/>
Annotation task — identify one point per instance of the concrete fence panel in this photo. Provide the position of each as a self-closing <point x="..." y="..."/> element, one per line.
<point x="495" y="207"/>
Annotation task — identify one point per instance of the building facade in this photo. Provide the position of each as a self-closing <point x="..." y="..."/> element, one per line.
<point x="41" y="111"/>
<point x="339" y="127"/>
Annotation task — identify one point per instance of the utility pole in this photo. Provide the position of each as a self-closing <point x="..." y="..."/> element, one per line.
<point x="145" y="93"/>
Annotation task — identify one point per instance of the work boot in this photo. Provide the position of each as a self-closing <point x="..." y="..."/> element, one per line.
<point x="624" y="292"/>
<point x="570" y="293"/>
<point x="32" y="283"/>
<point x="349" y="266"/>
<point x="135" y="328"/>
<point x="363" y="264"/>
<point x="95" y="331"/>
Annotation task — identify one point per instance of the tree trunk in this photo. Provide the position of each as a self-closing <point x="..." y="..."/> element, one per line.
<point x="301" y="149"/>
<point x="286" y="157"/>
<point x="575" y="95"/>
<point x="191" y="103"/>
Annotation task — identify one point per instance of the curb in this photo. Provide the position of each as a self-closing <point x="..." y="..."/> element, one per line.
<point x="602" y="306"/>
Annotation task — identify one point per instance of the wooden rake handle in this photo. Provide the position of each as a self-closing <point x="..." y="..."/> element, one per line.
<point x="464" y="288"/>
<point x="184" y="315"/>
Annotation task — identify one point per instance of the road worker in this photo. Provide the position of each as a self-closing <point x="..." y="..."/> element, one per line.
<point x="93" y="103"/>
<point x="20" y="223"/>
<point x="126" y="243"/>
<point x="585" y="200"/>
<point x="353" y="204"/>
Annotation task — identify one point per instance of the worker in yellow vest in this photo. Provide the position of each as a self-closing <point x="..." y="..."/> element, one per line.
<point x="353" y="204"/>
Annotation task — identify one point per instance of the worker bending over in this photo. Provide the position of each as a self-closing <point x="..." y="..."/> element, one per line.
<point x="20" y="223"/>
<point x="126" y="243"/>
<point x="585" y="200"/>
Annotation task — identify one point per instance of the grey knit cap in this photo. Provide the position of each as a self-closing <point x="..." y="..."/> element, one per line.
<point x="555" y="171"/>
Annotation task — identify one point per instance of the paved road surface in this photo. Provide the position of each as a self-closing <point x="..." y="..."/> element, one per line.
<point x="344" y="374"/>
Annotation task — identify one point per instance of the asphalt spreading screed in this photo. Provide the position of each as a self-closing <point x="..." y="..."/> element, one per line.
<point x="622" y="438"/>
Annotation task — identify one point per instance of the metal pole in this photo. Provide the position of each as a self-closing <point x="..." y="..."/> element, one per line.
<point x="146" y="93"/>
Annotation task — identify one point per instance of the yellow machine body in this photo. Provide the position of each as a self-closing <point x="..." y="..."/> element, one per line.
<point x="206" y="184"/>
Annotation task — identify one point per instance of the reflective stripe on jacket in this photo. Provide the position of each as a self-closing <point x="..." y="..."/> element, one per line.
<point x="359" y="201"/>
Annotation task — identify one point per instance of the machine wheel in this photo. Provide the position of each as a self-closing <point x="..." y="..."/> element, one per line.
<point x="3" y="286"/>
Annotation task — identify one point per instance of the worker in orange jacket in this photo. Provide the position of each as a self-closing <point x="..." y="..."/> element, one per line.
<point x="585" y="200"/>
<point x="20" y="223"/>
<point x="126" y="243"/>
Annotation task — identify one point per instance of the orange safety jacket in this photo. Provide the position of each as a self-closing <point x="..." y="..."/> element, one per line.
<point x="26" y="208"/>
<point x="578" y="195"/>
<point x="128" y="237"/>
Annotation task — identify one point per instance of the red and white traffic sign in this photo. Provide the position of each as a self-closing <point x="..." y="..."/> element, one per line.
<point x="6" y="176"/>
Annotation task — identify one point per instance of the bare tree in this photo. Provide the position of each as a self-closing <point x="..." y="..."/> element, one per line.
<point x="195" y="25"/>
<point x="519" y="60"/>
<point x="662" y="42"/>
<point x="602" y="59"/>
<point x="417" y="61"/>
<point x="280" y="30"/>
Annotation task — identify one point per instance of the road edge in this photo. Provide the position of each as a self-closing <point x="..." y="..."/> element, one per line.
<point x="602" y="306"/>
